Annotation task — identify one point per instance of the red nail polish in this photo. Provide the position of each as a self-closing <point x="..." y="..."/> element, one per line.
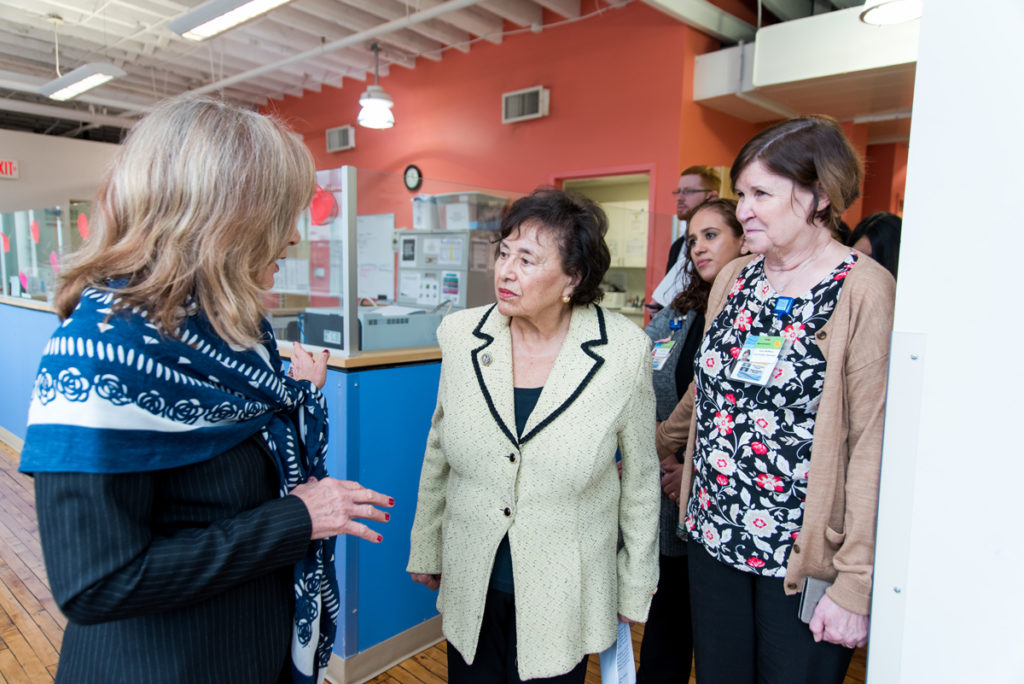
<point x="391" y="502"/>
<point x="387" y="517"/>
<point x="379" y="538"/>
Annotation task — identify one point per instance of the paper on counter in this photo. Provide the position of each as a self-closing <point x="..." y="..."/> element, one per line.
<point x="617" y="663"/>
<point x="395" y="310"/>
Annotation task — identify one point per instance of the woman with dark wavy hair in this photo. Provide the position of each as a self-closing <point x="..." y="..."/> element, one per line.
<point x="714" y="237"/>
<point x="520" y="501"/>
<point x="186" y="516"/>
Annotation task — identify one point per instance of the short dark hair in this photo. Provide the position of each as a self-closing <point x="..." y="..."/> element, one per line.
<point x="813" y="152"/>
<point x="578" y="225"/>
<point x="708" y="176"/>
<point x="694" y="297"/>
<point x="882" y="230"/>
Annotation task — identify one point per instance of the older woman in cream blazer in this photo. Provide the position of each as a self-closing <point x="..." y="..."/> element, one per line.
<point x="540" y="499"/>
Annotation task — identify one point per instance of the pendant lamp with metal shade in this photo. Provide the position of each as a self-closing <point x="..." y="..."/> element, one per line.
<point x="376" y="104"/>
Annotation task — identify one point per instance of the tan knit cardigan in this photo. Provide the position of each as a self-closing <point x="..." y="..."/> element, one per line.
<point x="837" y="540"/>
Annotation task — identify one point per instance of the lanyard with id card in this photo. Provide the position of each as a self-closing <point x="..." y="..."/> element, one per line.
<point x="661" y="351"/>
<point x="760" y="353"/>
<point x="662" y="348"/>
<point x="757" y="359"/>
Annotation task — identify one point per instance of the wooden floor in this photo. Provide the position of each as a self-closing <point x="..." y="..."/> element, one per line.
<point x="31" y="625"/>
<point x="431" y="666"/>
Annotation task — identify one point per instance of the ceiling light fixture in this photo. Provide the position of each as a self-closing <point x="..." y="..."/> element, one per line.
<point x="888" y="12"/>
<point x="376" y="104"/>
<point x="85" y="77"/>
<point x="217" y="16"/>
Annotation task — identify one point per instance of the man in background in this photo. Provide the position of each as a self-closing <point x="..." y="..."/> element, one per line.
<point x="696" y="184"/>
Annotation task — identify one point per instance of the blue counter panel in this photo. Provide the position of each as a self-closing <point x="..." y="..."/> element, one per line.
<point x="394" y="408"/>
<point x="23" y="334"/>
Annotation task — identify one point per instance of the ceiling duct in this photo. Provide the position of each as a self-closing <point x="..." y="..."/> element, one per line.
<point x="830" y="63"/>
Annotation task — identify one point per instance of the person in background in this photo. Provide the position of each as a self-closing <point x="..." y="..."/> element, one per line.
<point x="715" y="238"/>
<point x="185" y="514"/>
<point x="878" y="236"/>
<point x="696" y="184"/>
<point x="520" y="503"/>
<point x="780" y="480"/>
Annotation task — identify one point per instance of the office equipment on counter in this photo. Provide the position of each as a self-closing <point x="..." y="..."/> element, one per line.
<point x="379" y="328"/>
<point x="445" y="265"/>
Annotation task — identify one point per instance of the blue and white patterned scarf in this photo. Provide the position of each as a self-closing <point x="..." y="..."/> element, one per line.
<point x="115" y="396"/>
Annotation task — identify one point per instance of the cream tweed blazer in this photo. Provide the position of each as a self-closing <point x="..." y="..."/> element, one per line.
<point x="556" y="491"/>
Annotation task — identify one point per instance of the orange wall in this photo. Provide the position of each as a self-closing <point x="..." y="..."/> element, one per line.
<point x="858" y="136"/>
<point x="621" y="100"/>
<point x="885" y="178"/>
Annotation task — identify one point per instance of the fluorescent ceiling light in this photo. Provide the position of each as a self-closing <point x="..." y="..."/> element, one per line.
<point x="217" y="16"/>
<point x="83" y="78"/>
<point x="888" y="12"/>
<point x="376" y="108"/>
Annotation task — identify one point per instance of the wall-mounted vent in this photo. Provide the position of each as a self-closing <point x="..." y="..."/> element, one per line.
<point x="341" y="138"/>
<point x="521" y="105"/>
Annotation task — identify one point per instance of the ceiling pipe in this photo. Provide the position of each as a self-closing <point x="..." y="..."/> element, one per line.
<point x="347" y="41"/>
<point x="65" y="113"/>
<point x="10" y="80"/>
<point x="706" y="18"/>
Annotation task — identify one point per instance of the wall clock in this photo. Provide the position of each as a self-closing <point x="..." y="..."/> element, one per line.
<point x="413" y="177"/>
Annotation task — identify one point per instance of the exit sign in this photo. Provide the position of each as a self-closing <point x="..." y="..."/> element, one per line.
<point x="8" y="168"/>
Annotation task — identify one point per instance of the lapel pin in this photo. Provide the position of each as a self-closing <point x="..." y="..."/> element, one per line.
<point x="485" y="359"/>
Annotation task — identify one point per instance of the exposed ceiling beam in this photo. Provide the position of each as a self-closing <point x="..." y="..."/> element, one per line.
<point x="443" y="33"/>
<point x="570" y="9"/>
<point x="519" y="12"/>
<point x="706" y="18"/>
<point x="471" y="19"/>
<point x="66" y="114"/>
<point x="354" y="39"/>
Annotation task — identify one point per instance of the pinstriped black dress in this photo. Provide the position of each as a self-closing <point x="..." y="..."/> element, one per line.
<point x="179" y="575"/>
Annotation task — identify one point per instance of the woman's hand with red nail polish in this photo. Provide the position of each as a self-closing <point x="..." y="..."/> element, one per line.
<point x="335" y="505"/>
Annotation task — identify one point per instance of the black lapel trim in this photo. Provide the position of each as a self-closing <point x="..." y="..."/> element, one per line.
<point x="598" y="362"/>
<point x="477" y="332"/>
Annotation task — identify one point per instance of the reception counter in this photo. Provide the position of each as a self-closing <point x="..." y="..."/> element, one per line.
<point x="379" y="404"/>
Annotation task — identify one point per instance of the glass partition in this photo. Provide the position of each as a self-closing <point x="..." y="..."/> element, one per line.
<point x="379" y="265"/>
<point x="32" y="244"/>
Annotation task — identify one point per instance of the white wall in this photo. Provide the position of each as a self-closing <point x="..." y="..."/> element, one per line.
<point x="53" y="170"/>
<point x="949" y="596"/>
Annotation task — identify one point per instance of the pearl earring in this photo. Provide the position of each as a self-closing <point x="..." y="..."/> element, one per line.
<point x="566" y="299"/>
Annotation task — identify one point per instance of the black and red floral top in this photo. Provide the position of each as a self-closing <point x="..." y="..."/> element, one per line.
<point x="752" y="451"/>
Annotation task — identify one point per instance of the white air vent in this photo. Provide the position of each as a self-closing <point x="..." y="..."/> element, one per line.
<point x="341" y="138"/>
<point x="520" y="105"/>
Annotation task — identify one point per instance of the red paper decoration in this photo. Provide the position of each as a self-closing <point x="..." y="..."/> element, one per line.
<point x="83" y="226"/>
<point x="323" y="207"/>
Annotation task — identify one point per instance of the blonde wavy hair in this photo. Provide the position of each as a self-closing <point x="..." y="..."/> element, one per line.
<point x="200" y="201"/>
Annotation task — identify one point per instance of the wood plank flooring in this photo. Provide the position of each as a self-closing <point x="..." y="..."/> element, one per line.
<point x="31" y="625"/>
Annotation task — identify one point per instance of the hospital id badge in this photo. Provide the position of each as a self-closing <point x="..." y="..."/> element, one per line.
<point x="661" y="351"/>
<point x="758" y="358"/>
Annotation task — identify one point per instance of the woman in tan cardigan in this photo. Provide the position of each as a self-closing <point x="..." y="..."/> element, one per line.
<point x="782" y="463"/>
